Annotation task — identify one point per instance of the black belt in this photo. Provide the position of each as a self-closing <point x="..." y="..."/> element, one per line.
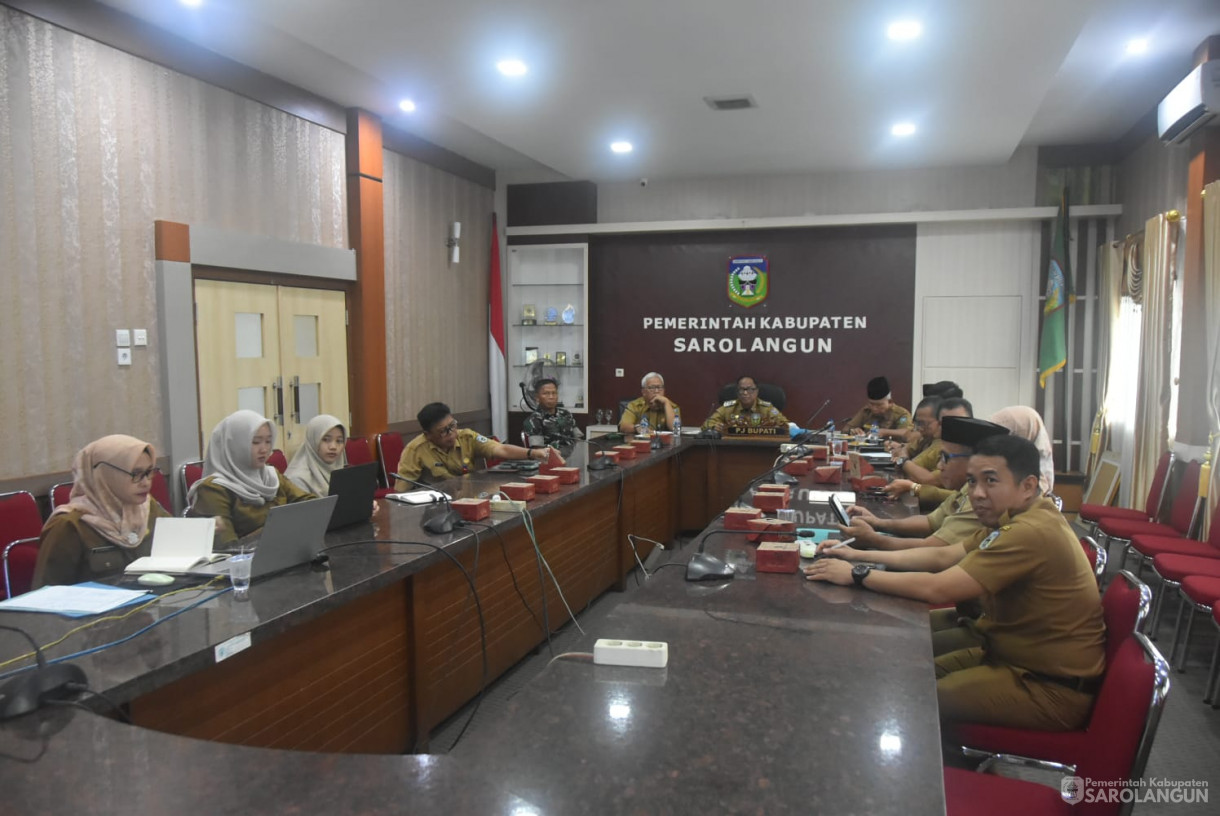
<point x="1084" y="685"/>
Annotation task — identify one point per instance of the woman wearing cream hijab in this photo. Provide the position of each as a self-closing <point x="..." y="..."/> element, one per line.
<point x="108" y="519"/>
<point x="1025" y="422"/>
<point x="238" y="487"/>
<point x="322" y="453"/>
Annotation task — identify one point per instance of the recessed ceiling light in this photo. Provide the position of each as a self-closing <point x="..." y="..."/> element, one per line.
<point x="406" y="106"/>
<point x="191" y="3"/>
<point x="512" y="67"/>
<point x="621" y="147"/>
<point x="1137" y="46"/>
<point x="903" y="30"/>
<point x="903" y="129"/>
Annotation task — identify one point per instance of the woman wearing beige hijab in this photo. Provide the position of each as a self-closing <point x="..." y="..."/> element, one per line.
<point x="108" y="519"/>
<point x="322" y="453"/>
<point x="238" y="487"/>
<point x="1025" y="422"/>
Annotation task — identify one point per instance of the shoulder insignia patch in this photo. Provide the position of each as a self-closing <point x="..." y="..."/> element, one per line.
<point x="902" y="420"/>
<point x="728" y="403"/>
<point x="986" y="542"/>
<point x="480" y="438"/>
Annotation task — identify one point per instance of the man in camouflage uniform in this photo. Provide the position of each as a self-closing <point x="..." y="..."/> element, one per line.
<point x="747" y="411"/>
<point x="554" y="424"/>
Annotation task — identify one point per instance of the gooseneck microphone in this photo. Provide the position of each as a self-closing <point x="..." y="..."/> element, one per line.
<point x="26" y="692"/>
<point x="441" y="517"/>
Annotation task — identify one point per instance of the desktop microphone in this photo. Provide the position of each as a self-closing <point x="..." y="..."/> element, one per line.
<point x="436" y="520"/>
<point x="594" y="463"/>
<point x="26" y="692"/>
<point x="809" y="422"/>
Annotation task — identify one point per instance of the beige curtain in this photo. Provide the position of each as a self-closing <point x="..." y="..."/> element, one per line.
<point x="1156" y="338"/>
<point x="1211" y="289"/>
<point x="1109" y="296"/>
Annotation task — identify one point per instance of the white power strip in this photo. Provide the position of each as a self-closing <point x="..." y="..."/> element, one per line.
<point x="507" y="506"/>
<point x="647" y="653"/>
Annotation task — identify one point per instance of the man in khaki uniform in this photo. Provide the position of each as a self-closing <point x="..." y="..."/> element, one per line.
<point x="442" y="451"/>
<point x="893" y="421"/>
<point x="653" y="405"/>
<point x="954" y="520"/>
<point x="747" y="411"/>
<point x="1038" y="649"/>
<point x="923" y="471"/>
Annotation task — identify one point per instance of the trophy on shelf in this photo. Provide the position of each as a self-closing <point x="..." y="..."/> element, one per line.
<point x="580" y="399"/>
<point x="529" y="317"/>
<point x="569" y="314"/>
<point x="551" y="316"/>
<point x="546" y="358"/>
<point x="531" y="355"/>
<point x="561" y="358"/>
<point x="576" y="359"/>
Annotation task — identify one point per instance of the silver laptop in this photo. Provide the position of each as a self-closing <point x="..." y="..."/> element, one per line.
<point x="294" y="534"/>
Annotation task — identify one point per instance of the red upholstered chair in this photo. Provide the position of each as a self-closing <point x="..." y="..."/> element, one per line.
<point x="1199" y="593"/>
<point x="160" y="491"/>
<point x="389" y="451"/>
<point x="189" y="473"/>
<point x="1114" y="748"/>
<point x="1175" y="558"/>
<point x="277" y="460"/>
<point x="1093" y="513"/>
<point x="1124" y="607"/>
<point x="20" y="528"/>
<point x="60" y="494"/>
<point x="1211" y="677"/>
<point x="1181" y="519"/>
<point x="1096" y="554"/>
<point x="359" y="453"/>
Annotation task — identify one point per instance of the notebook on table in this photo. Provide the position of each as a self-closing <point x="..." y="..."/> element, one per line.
<point x="355" y="485"/>
<point x="178" y="545"/>
<point x="294" y="534"/>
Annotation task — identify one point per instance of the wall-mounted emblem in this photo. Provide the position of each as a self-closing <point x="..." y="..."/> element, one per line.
<point x="748" y="284"/>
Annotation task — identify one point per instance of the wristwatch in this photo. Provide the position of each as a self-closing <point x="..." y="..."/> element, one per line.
<point x="899" y="462"/>
<point x="859" y="572"/>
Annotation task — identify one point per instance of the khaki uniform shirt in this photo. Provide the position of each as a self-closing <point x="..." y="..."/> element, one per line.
<point x="895" y="418"/>
<point x="72" y="551"/>
<point x="927" y="457"/>
<point x="425" y="462"/>
<point x="955" y="520"/>
<point x="1041" y="608"/>
<point x="761" y="415"/>
<point x="639" y="407"/>
<point x="235" y="517"/>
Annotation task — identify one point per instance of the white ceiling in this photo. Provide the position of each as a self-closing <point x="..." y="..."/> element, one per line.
<point x="987" y="75"/>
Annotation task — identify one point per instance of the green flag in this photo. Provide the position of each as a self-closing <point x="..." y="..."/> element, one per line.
<point x="1052" y="353"/>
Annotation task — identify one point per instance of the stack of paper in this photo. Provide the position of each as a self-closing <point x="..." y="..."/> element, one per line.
<point x="75" y="601"/>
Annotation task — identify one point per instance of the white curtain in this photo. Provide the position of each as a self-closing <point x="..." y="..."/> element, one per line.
<point x="1211" y="306"/>
<point x="1156" y="341"/>
<point x="1109" y="298"/>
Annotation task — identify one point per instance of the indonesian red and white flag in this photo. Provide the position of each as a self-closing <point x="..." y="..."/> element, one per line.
<point x="496" y="373"/>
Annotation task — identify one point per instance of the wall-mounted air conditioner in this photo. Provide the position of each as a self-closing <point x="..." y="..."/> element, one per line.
<point x="1194" y="103"/>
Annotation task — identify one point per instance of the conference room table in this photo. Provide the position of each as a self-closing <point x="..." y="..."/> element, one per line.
<point x="311" y="696"/>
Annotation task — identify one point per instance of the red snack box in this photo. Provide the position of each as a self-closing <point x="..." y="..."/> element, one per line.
<point x="770" y="500"/>
<point x="625" y="451"/>
<point x="641" y="445"/>
<point x="518" y="491"/>
<point x="667" y="437"/>
<point x="544" y="484"/>
<point x="612" y="455"/>
<point x="567" y="475"/>
<point x="737" y="518"/>
<point x="865" y="482"/>
<point x="798" y="467"/>
<point x="769" y="529"/>
<point x="828" y="474"/>
<point x="840" y="457"/>
<point x="778" y="556"/>
<point x="775" y="488"/>
<point x="472" y="509"/>
<point x="820" y="452"/>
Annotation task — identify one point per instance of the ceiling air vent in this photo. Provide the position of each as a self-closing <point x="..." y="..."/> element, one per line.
<point x="730" y="103"/>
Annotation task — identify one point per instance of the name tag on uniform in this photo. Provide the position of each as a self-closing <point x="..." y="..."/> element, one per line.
<point x="986" y="542"/>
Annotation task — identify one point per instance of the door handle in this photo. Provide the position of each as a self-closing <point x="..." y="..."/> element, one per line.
<point x="277" y="385"/>
<point x="295" y="385"/>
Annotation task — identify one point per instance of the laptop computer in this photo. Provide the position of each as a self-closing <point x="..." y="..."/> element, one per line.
<point x="355" y="486"/>
<point x="293" y="535"/>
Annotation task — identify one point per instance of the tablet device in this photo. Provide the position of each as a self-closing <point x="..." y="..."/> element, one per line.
<point x="836" y="507"/>
<point x="355" y="486"/>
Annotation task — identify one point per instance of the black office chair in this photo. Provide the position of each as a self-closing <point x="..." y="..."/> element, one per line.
<point x="766" y="391"/>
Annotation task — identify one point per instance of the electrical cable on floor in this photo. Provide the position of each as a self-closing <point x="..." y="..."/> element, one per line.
<point x="529" y="526"/>
<point x="631" y="540"/>
<point x="582" y="655"/>
<point x="478" y="609"/>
